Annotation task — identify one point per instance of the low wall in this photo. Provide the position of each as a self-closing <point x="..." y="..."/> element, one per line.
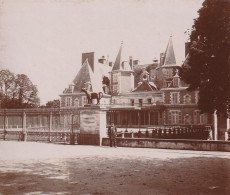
<point x="176" y="144"/>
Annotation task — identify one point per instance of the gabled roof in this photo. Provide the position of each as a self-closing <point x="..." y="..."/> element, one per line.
<point x="117" y="64"/>
<point x="169" y="54"/>
<point x="145" y="86"/>
<point x="84" y="75"/>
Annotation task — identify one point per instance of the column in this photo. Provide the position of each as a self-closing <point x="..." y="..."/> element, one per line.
<point x="24" y="133"/>
<point x="215" y="126"/>
<point x="72" y="136"/>
<point x="4" y="125"/>
<point x="50" y="125"/>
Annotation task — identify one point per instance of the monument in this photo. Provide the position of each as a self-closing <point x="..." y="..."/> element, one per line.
<point x="92" y="124"/>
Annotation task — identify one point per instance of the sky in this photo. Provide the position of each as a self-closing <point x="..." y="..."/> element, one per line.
<point x="44" y="39"/>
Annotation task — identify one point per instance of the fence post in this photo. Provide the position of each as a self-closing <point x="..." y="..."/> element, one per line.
<point x="24" y="133"/>
<point x="51" y="125"/>
<point x="122" y="134"/>
<point x="4" y="125"/>
<point x="72" y="138"/>
<point x="215" y="126"/>
<point x="132" y="134"/>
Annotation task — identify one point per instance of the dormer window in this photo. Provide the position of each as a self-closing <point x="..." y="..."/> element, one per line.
<point x="176" y="82"/>
<point x="145" y="76"/>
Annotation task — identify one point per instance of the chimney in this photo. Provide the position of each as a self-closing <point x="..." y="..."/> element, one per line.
<point x="102" y="60"/>
<point x="131" y="62"/>
<point x="186" y="48"/>
<point x="136" y="62"/>
<point x="90" y="56"/>
<point x="111" y="64"/>
<point x="162" y="58"/>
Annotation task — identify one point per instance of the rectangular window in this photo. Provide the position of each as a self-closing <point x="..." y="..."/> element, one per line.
<point x="115" y="88"/>
<point x="140" y="102"/>
<point x="76" y="102"/>
<point x="174" y="98"/>
<point x="175" y="117"/>
<point x="114" y="101"/>
<point x="149" y="101"/>
<point x="84" y="100"/>
<point x="203" y="119"/>
<point x="114" y="77"/>
<point x="68" y="101"/>
<point x="196" y="117"/>
<point x="132" y="102"/>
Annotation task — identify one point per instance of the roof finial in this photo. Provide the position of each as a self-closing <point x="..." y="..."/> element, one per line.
<point x="170" y="34"/>
<point x="121" y="42"/>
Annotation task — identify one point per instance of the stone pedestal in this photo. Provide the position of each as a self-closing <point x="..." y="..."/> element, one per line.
<point x="92" y="125"/>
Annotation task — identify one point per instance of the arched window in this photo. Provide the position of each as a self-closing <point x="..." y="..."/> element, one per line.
<point x="187" y="99"/>
<point x="187" y="119"/>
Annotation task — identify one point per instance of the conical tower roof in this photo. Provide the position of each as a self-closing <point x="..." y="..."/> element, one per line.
<point x="117" y="64"/>
<point x="169" y="54"/>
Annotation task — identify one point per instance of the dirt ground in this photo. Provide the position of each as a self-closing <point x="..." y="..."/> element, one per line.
<point x="38" y="168"/>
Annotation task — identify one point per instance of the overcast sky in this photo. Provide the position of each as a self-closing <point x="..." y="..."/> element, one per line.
<point x="44" y="39"/>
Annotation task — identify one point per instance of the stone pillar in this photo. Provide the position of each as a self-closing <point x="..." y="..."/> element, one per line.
<point x="24" y="133"/>
<point x="122" y="134"/>
<point x="92" y="125"/>
<point x="215" y="126"/>
<point x="4" y="125"/>
<point x="50" y="125"/>
<point x="72" y="136"/>
<point x="227" y="132"/>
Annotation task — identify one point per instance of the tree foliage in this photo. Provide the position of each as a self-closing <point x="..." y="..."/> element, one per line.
<point x="53" y="104"/>
<point x="207" y="67"/>
<point x="17" y="91"/>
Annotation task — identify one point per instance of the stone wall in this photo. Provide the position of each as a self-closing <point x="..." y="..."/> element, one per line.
<point x="171" y="144"/>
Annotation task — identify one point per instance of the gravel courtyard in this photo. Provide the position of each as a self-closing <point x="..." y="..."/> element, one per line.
<point x="40" y="168"/>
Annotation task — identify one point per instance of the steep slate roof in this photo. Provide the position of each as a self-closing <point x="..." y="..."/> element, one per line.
<point x="145" y="86"/>
<point x="169" y="54"/>
<point x="117" y="64"/>
<point x="84" y="75"/>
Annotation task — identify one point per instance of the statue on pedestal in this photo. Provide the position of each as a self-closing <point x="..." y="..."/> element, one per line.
<point x="92" y="95"/>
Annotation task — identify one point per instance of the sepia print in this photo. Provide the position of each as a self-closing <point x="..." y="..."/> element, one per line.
<point x="114" y="97"/>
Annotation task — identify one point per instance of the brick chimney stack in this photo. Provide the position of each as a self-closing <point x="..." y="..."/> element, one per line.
<point x="131" y="62"/>
<point x="90" y="56"/>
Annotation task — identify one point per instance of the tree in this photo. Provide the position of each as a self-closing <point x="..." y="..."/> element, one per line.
<point x="17" y="91"/>
<point x="53" y="104"/>
<point x="27" y="93"/>
<point x="207" y="67"/>
<point x="7" y="84"/>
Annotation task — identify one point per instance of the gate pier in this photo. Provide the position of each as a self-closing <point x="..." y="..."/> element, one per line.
<point x="92" y="125"/>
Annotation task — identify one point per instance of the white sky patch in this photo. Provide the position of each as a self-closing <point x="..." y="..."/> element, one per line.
<point x="44" y="39"/>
